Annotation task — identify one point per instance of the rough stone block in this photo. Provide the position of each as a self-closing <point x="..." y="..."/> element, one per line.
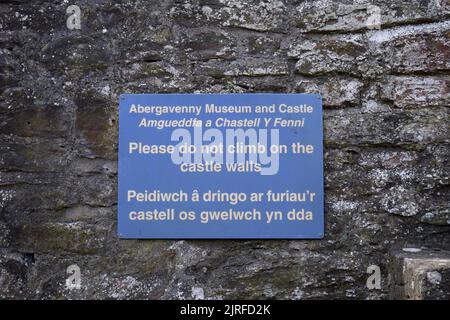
<point x="87" y="166"/>
<point x="13" y="275"/>
<point x="78" y="53"/>
<point x="408" y="91"/>
<point x="253" y="15"/>
<point x="327" y="15"/>
<point x="409" y="49"/>
<point x="75" y="237"/>
<point x="248" y="67"/>
<point x="95" y="126"/>
<point x="33" y="154"/>
<point x="200" y="44"/>
<point x="258" y="15"/>
<point x="420" y="274"/>
<point x="402" y="128"/>
<point x="4" y="230"/>
<point x="255" y="68"/>
<point x="335" y="91"/>
<point x="35" y="121"/>
<point x="265" y="45"/>
<point x="329" y="54"/>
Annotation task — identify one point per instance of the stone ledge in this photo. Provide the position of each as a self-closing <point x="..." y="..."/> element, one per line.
<point x="420" y="274"/>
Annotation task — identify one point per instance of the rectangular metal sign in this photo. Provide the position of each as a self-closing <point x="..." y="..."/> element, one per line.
<point x="220" y="166"/>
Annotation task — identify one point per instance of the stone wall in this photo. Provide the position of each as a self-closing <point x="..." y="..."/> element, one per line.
<point x="387" y="134"/>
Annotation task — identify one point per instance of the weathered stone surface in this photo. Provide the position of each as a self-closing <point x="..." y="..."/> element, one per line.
<point x="409" y="49"/>
<point x="33" y="154"/>
<point x="208" y="44"/>
<point x="337" y="54"/>
<point x="422" y="48"/>
<point x="4" y="234"/>
<point x="247" y="67"/>
<point x="261" y="45"/>
<point x="73" y="237"/>
<point x="35" y="121"/>
<point x="264" y="15"/>
<point x="13" y="275"/>
<point x="413" y="129"/>
<point x="417" y="91"/>
<point x="420" y="274"/>
<point x="328" y="15"/>
<point x="88" y="166"/>
<point x="386" y="158"/>
<point x="335" y="91"/>
<point x="95" y="126"/>
<point x="437" y="285"/>
<point x="398" y="182"/>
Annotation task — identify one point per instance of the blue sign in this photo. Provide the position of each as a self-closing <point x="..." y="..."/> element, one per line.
<point x="220" y="166"/>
